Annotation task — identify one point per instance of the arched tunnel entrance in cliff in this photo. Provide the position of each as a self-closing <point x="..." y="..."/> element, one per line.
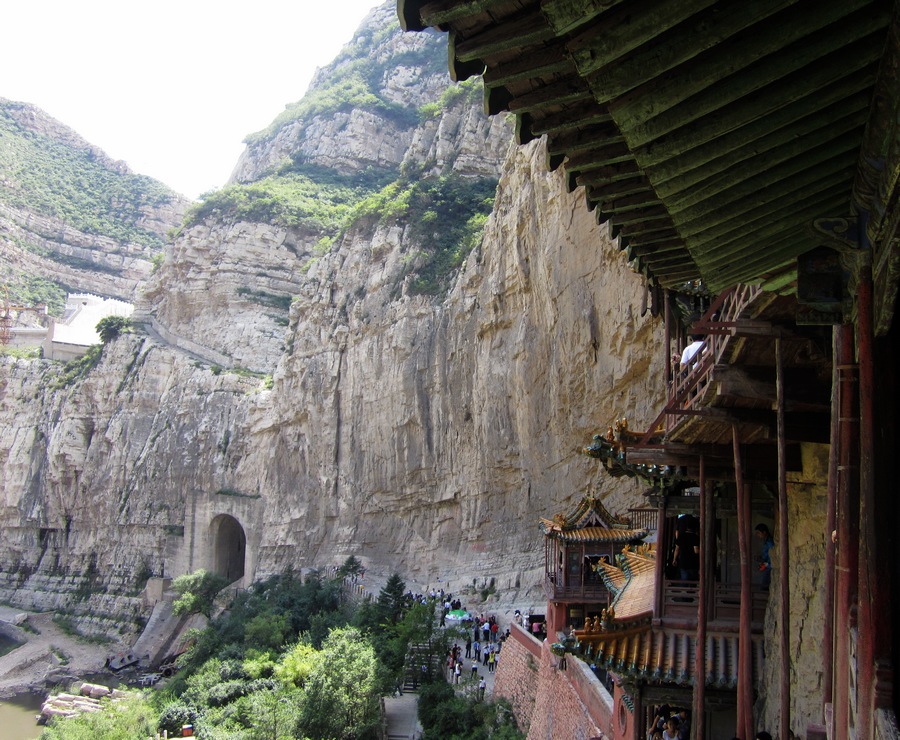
<point x="229" y="547"/>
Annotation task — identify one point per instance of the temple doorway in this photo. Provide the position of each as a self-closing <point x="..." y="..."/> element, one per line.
<point x="229" y="547"/>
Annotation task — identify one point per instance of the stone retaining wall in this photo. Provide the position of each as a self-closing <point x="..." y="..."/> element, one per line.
<point x="550" y="701"/>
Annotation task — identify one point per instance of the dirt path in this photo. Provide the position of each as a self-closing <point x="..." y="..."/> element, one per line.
<point x="49" y="653"/>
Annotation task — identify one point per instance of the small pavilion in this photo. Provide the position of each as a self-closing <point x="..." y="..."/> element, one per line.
<point x="575" y="545"/>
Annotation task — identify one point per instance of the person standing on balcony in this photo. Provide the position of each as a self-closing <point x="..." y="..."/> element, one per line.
<point x="691" y="351"/>
<point x="687" y="554"/>
<point x="765" y="559"/>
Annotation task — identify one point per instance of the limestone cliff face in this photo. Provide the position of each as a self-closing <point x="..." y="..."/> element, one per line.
<point x="350" y="137"/>
<point x="479" y="403"/>
<point x="807" y="499"/>
<point x="423" y="433"/>
<point x="421" y="436"/>
<point x="87" y="263"/>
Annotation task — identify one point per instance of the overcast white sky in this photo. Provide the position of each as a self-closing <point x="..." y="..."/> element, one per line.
<point x="170" y="86"/>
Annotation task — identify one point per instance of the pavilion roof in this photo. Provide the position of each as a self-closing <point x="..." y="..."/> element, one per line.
<point x="632" y="579"/>
<point x="591" y="521"/>
<point x="625" y="640"/>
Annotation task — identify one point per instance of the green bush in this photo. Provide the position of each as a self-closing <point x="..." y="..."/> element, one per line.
<point x="77" y="369"/>
<point x="110" y="327"/>
<point x="196" y="591"/>
<point x="121" y="720"/>
<point x="446" y="716"/>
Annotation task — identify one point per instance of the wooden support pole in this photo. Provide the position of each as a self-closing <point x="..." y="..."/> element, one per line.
<point x="848" y="529"/>
<point x="583" y="570"/>
<point x="640" y="720"/>
<point x="699" y="714"/>
<point x="668" y="323"/>
<point x="783" y="560"/>
<point x="745" y="658"/>
<point x="662" y="555"/>
<point x="830" y="524"/>
<point x="872" y="636"/>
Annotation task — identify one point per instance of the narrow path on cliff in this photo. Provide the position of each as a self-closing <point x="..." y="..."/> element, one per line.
<point x="151" y="332"/>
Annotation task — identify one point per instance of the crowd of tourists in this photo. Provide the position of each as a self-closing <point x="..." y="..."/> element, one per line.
<point x="484" y="640"/>
<point x="670" y="724"/>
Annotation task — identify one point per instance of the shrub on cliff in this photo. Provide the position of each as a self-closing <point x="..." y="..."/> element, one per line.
<point x="446" y="716"/>
<point x="110" y="327"/>
<point x="197" y="591"/>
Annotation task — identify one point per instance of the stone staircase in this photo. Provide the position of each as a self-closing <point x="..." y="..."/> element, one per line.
<point x="420" y="654"/>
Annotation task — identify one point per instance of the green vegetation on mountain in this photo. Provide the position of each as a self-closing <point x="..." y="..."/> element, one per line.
<point x="299" y="195"/>
<point x="53" y="178"/>
<point x="110" y="327"/>
<point x="355" y="78"/>
<point x="470" y="90"/>
<point x="34" y="290"/>
<point x="445" y="217"/>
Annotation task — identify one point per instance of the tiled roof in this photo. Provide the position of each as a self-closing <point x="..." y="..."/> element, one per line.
<point x="624" y="641"/>
<point x="591" y="521"/>
<point x="596" y="534"/>
<point x="668" y="655"/>
<point x="636" y="596"/>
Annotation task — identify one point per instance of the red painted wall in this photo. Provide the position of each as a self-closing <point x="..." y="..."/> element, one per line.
<point x="550" y="702"/>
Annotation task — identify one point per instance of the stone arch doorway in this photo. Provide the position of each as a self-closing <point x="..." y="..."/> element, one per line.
<point x="229" y="547"/>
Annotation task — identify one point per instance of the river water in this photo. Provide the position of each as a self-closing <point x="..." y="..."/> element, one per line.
<point x="17" y="717"/>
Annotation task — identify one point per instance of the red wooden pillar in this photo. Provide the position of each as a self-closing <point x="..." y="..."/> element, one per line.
<point x="873" y="606"/>
<point x="830" y="524"/>
<point x="668" y="323"/>
<point x="745" y="658"/>
<point x="783" y="561"/>
<point x="639" y="715"/>
<point x="662" y="553"/>
<point x="706" y="558"/>
<point x="847" y="527"/>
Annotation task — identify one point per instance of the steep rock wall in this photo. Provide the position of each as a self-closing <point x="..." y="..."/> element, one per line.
<point x="423" y="436"/>
<point x="807" y="498"/>
<point x="349" y="138"/>
<point x="86" y="263"/>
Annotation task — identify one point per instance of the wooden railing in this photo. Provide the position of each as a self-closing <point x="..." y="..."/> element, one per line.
<point x="718" y="324"/>
<point x="644" y="518"/>
<point x="680" y="599"/>
<point x="591" y="590"/>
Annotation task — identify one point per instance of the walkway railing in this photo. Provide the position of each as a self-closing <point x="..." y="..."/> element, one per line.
<point x="719" y="325"/>
<point x="593" y="590"/>
<point x="680" y="599"/>
<point x="644" y="518"/>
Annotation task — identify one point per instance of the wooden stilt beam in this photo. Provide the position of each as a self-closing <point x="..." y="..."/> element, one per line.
<point x="745" y="658"/>
<point x="667" y="320"/>
<point x="783" y="560"/>
<point x="662" y="554"/>
<point x="871" y="639"/>
<point x="830" y="523"/>
<point x="848" y="529"/>
<point x="703" y="588"/>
